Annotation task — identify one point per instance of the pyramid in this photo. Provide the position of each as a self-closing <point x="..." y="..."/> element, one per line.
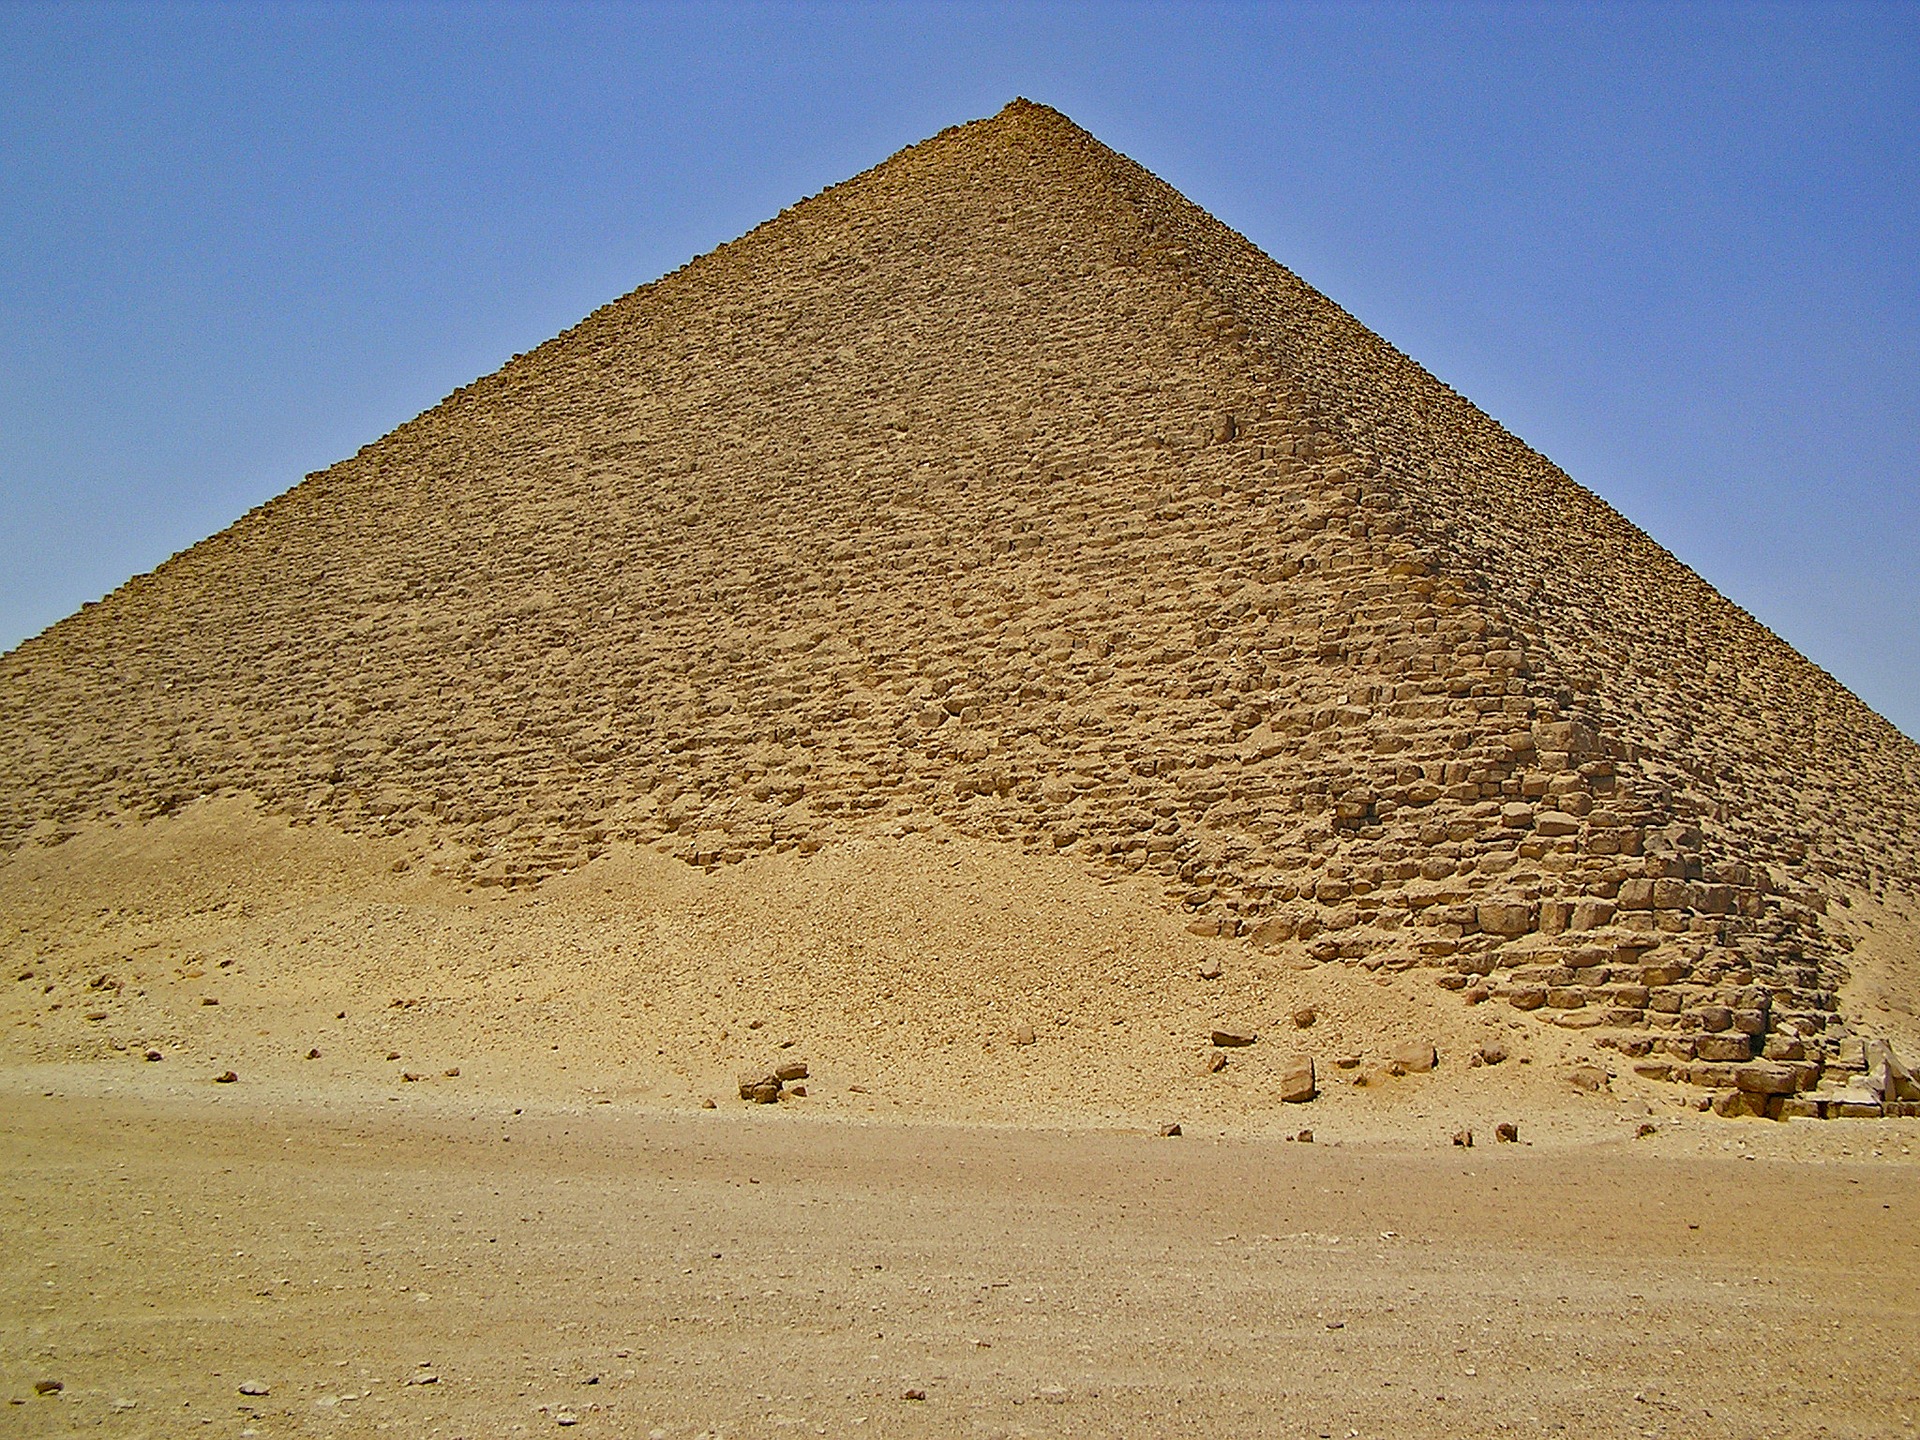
<point x="1001" y="490"/>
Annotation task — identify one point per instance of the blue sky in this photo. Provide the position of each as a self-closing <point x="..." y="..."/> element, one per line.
<point x="1675" y="247"/>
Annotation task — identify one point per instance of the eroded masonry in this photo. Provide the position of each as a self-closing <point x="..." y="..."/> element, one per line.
<point x="1002" y="488"/>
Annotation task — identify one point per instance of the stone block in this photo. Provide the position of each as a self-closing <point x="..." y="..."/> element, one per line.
<point x="1732" y="1103"/>
<point x="1636" y="894"/>
<point x="1761" y="1078"/>
<point x="1505" y="918"/>
<point x="1591" y="914"/>
<point x="1296" y="1084"/>
<point x="1722" y="1047"/>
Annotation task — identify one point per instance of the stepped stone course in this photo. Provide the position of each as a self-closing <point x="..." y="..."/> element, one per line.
<point x="1001" y="489"/>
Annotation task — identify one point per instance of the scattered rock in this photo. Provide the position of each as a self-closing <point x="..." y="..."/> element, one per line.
<point x="1304" y="1017"/>
<point x="48" y="1387"/>
<point x="1346" y="1062"/>
<point x="1216" y="1062"/>
<point x="452" y="1072"/>
<point x="1646" y="1130"/>
<point x="1506" y="1132"/>
<point x="1297" y="1080"/>
<point x="225" y="1077"/>
<point x="1415" y="1057"/>
<point x="1228" y="1038"/>
<point x="709" y="1104"/>
<point x="1493" y="1052"/>
<point x="424" y="1377"/>
<point x="1464" y="1138"/>
<point x="1589" y="1077"/>
<point x="1305" y="1137"/>
<point x="914" y="1394"/>
<point x="1170" y="1129"/>
<point x="153" y="1055"/>
<point x="393" y="1054"/>
<point x="565" y="1417"/>
<point x="790" y="1070"/>
<point x="761" y="1089"/>
<point x="1210" y="970"/>
<point x="313" y="1054"/>
<point x="252" y="1387"/>
<point x="1024" y="1035"/>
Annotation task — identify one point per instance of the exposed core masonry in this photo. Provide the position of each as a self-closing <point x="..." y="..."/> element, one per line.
<point x="1001" y="488"/>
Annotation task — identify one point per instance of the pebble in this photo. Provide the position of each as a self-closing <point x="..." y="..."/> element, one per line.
<point x="48" y="1387"/>
<point x="1209" y="969"/>
<point x="1304" y="1017"/>
<point x="1229" y="1038"/>
<point x="153" y="1055"/>
<point x="225" y="1077"/>
<point x="1506" y="1132"/>
<point x="1170" y="1129"/>
<point x="915" y="1394"/>
<point x="1464" y="1138"/>
<point x="252" y="1387"/>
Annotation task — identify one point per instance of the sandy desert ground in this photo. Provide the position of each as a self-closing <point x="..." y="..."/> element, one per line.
<point x="561" y="1235"/>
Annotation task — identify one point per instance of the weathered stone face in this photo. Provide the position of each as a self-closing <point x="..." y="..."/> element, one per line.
<point x="1001" y="488"/>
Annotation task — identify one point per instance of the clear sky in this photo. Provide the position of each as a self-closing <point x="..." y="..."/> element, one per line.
<point x="1675" y="247"/>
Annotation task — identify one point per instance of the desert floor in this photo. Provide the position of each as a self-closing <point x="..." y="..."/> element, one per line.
<point x="950" y="1233"/>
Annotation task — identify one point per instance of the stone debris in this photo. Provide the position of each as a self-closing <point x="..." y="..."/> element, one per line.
<point x="1296" y="1082"/>
<point x="1415" y="1057"/>
<point x="1304" y="1017"/>
<point x="761" y="1089"/>
<point x="1506" y="1132"/>
<point x="1226" y="1037"/>
<point x="252" y="1387"/>
<point x="225" y="1077"/>
<point x="1588" y="1077"/>
<point x="759" y="557"/>
<point x="48" y="1387"/>
<point x="1170" y="1129"/>
<point x="1463" y="1138"/>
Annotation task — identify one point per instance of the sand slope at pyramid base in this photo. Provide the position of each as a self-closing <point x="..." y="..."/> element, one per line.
<point x="917" y="976"/>
<point x="1883" y="965"/>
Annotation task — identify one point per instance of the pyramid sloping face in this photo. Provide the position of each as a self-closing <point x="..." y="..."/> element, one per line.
<point x="1001" y="489"/>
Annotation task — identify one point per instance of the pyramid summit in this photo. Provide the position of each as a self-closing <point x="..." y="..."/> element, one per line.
<point x="1000" y="492"/>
